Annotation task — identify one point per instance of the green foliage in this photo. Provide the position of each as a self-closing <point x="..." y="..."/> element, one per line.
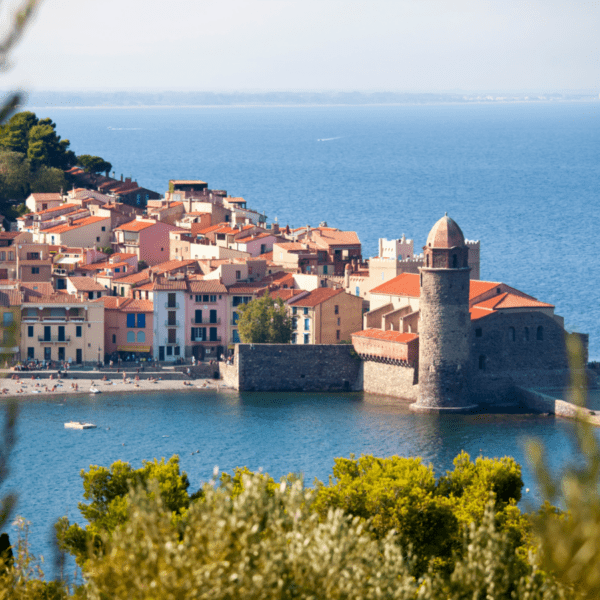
<point x="264" y="321"/>
<point x="256" y="544"/>
<point x="94" y="164"/>
<point x="14" y="135"/>
<point x="108" y="493"/>
<point x="48" y="179"/>
<point x="46" y="147"/>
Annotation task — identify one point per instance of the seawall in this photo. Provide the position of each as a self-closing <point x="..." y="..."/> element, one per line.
<point x="545" y="403"/>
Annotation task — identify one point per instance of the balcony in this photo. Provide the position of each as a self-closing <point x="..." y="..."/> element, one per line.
<point x="172" y="305"/>
<point x="205" y="321"/>
<point x="201" y="340"/>
<point x="53" y="319"/>
<point x="54" y="339"/>
<point x="172" y="324"/>
<point x="174" y="343"/>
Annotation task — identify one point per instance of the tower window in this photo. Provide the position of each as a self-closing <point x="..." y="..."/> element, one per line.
<point x="540" y="333"/>
<point x="454" y="261"/>
<point x="478" y="332"/>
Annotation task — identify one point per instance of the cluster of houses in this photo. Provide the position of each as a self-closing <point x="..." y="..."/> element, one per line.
<point x="112" y="270"/>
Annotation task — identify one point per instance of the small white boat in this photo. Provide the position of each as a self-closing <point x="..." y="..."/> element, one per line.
<point x="78" y="425"/>
<point x="94" y="390"/>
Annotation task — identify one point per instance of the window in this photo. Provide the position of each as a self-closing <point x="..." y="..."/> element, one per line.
<point x="78" y="330"/>
<point x="236" y="337"/>
<point x="30" y="353"/>
<point x="103" y="228"/>
<point x="98" y="238"/>
<point x="236" y="317"/>
<point x="213" y="334"/>
<point x="11" y="256"/>
<point x="61" y="353"/>
<point x="172" y="336"/>
<point x="337" y="334"/>
<point x="249" y="270"/>
<point x="141" y="337"/>
<point x="172" y="300"/>
<point x="540" y="333"/>
<point x="306" y="324"/>
<point x="141" y="320"/>
<point x="172" y="318"/>
<point x="294" y="324"/>
<point x="198" y="297"/>
<point x="130" y="320"/>
<point x="482" y="363"/>
<point x="176" y="351"/>
<point x="306" y="338"/>
<point x="213" y="298"/>
<point x="294" y="310"/>
<point x="2" y="255"/>
<point x="238" y="274"/>
<point x="305" y="310"/>
<point x="114" y="339"/>
<point x="511" y="334"/>
<point x="7" y="319"/>
<point x="336" y="309"/>
<point x="169" y="350"/>
<point x="357" y="291"/>
<point x="131" y="337"/>
<point x="324" y="269"/>
<point x="478" y="332"/>
<point x="339" y="321"/>
<point x="294" y="338"/>
<point x="382" y="275"/>
<point x="30" y="331"/>
<point x="35" y="270"/>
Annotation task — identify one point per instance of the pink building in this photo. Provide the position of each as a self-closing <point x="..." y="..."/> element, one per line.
<point x="147" y="238"/>
<point x="206" y="319"/>
<point x="128" y="327"/>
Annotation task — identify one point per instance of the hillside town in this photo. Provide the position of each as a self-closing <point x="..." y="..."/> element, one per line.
<point x="112" y="271"/>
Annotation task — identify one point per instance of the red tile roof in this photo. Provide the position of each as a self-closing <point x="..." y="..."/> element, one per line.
<point x="405" y="284"/>
<point x="135" y="225"/>
<point x="47" y="196"/>
<point x="85" y="284"/>
<point x="390" y="336"/>
<point x="333" y="237"/>
<point x="76" y="224"/>
<point x="479" y="313"/>
<point x="317" y="297"/>
<point x="207" y="286"/>
<point x="135" y="305"/>
<point x="508" y="300"/>
<point x="10" y="298"/>
<point x="246" y="288"/>
<point x="477" y="288"/>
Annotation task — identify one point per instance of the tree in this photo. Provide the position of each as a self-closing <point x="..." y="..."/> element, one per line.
<point x="14" y="136"/>
<point x="94" y="164"/>
<point x="108" y="491"/>
<point x="264" y="321"/>
<point x="14" y="176"/>
<point x="48" y="179"/>
<point x="46" y="147"/>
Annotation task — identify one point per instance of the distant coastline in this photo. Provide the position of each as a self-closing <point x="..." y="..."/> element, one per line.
<point x="173" y="100"/>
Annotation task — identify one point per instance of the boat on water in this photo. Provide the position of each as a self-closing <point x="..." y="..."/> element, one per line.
<point x="78" y="425"/>
<point x="94" y="390"/>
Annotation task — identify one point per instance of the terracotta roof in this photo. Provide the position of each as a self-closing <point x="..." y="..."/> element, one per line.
<point x="266" y="256"/>
<point x="284" y="294"/>
<point x="54" y="209"/>
<point x="112" y="302"/>
<point x="136" y="277"/>
<point x="135" y="225"/>
<point x="76" y="224"/>
<point x="280" y="278"/>
<point x="210" y="228"/>
<point x="405" y="284"/>
<point x="9" y="235"/>
<point x="49" y="196"/>
<point x="145" y="286"/>
<point x="246" y="288"/>
<point x="56" y="299"/>
<point x="161" y="285"/>
<point x="171" y="265"/>
<point x="199" y="286"/>
<point x="477" y="288"/>
<point x="390" y="336"/>
<point x="508" y="300"/>
<point x="10" y="298"/>
<point x="85" y="284"/>
<point x="293" y="246"/>
<point x="317" y="297"/>
<point x="135" y="305"/>
<point x="479" y="313"/>
<point x="254" y="237"/>
<point x="335" y="237"/>
<point x="41" y="288"/>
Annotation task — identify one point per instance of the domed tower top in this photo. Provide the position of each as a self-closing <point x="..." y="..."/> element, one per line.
<point x="446" y="248"/>
<point x="445" y="234"/>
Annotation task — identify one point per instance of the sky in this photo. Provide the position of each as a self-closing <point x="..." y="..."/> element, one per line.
<point x="293" y="45"/>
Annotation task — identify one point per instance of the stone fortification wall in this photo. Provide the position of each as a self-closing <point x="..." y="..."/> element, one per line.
<point x="289" y="367"/>
<point x="229" y="375"/>
<point x="545" y="403"/>
<point x="390" y="380"/>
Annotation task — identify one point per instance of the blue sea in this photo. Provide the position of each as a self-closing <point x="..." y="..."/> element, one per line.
<point x="521" y="178"/>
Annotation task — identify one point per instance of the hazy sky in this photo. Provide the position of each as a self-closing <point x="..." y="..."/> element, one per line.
<point x="403" y="45"/>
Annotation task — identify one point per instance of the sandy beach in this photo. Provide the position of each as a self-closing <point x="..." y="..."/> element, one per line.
<point x="27" y="387"/>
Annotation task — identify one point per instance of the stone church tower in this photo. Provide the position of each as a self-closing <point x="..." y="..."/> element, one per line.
<point x="444" y="321"/>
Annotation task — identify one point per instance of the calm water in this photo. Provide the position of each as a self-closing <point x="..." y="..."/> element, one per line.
<point x="279" y="433"/>
<point x="521" y="178"/>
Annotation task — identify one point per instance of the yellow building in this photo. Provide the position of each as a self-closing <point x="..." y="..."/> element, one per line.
<point x="10" y="321"/>
<point x="325" y="316"/>
<point x="62" y="327"/>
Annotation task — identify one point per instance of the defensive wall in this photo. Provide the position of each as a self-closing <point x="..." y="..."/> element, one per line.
<point x="289" y="367"/>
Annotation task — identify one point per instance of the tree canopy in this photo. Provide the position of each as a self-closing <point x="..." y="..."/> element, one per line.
<point x="94" y="164"/>
<point x="264" y="321"/>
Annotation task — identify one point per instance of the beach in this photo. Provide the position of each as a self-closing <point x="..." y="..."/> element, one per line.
<point x="34" y="385"/>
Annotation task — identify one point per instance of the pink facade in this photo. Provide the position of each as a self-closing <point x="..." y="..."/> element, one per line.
<point x="206" y="313"/>
<point x="154" y="243"/>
